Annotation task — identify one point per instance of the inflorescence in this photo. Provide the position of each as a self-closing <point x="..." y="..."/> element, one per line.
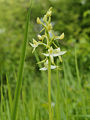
<point x="48" y="41"/>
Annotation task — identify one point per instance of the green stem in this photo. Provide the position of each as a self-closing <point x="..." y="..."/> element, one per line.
<point x="19" y="79"/>
<point x="58" y="95"/>
<point x="65" y="86"/>
<point x="77" y="72"/>
<point x="49" y="89"/>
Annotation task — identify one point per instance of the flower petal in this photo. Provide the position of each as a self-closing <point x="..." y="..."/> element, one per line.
<point x="61" y="36"/>
<point x="52" y="60"/>
<point x="59" y="53"/>
<point x="45" y="54"/>
<point x="33" y="45"/>
<point x="53" y="67"/>
<point x="44" y="68"/>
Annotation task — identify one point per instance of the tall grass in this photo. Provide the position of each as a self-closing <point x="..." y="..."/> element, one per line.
<point x="20" y="73"/>
<point x="80" y="86"/>
<point x="69" y="104"/>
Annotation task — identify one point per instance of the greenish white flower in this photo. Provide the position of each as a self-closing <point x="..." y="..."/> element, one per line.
<point x="46" y="66"/>
<point x="54" y="53"/>
<point x="41" y="37"/>
<point x="35" y="44"/>
<point x="60" y="37"/>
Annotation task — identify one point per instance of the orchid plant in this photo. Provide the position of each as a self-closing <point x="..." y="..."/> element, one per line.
<point x="52" y="50"/>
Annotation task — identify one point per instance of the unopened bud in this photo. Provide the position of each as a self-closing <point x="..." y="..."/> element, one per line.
<point x="61" y="36"/>
<point x="45" y="18"/>
<point x="38" y="20"/>
<point x="49" y="13"/>
<point x="49" y="27"/>
<point x="39" y="37"/>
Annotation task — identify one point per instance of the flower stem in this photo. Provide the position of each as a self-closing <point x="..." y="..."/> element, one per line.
<point x="49" y="88"/>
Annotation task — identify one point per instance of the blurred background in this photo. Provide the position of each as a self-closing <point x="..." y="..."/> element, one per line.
<point x="69" y="16"/>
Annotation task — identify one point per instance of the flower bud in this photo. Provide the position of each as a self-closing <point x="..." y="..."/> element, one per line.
<point x="49" y="13"/>
<point x="39" y="37"/>
<point x="50" y="9"/>
<point x="38" y="20"/>
<point x="49" y="27"/>
<point x="61" y="36"/>
<point x="45" y="18"/>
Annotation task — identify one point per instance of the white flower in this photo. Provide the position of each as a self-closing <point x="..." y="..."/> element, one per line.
<point x="35" y="44"/>
<point x="46" y="66"/>
<point x="41" y="37"/>
<point x="54" y="53"/>
<point x="60" y="37"/>
<point x="57" y="52"/>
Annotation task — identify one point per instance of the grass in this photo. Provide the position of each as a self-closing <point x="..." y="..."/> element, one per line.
<point x="67" y="96"/>
<point x="20" y="74"/>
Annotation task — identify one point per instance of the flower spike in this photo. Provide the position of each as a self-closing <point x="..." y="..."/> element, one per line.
<point x="48" y="40"/>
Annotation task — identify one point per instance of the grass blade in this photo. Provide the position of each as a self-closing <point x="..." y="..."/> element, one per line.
<point x="19" y="79"/>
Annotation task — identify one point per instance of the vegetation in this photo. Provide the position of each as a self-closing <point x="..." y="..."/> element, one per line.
<point x="70" y="85"/>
